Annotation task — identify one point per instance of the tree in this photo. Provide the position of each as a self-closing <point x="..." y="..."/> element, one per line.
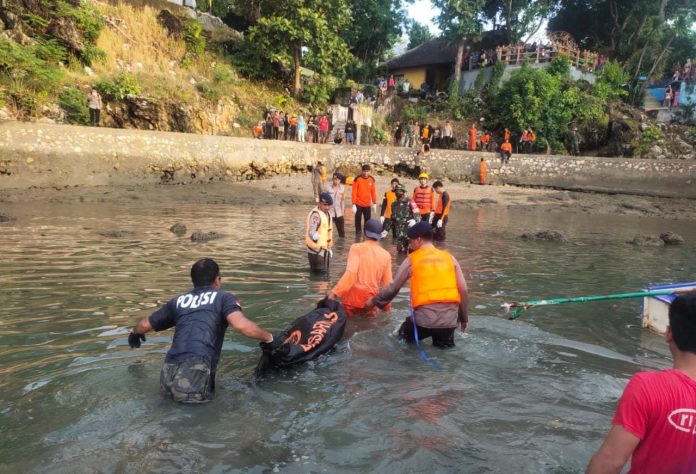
<point x="376" y="27"/>
<point x="294" y="27"/>
<point x="459" y="19"/>
<point x="518" y="18"/>
<point x="418" y="34"/>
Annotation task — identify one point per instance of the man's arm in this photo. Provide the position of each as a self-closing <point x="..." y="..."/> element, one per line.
<point x="445" y="200"/>
<point x="614" y="452"/>
<point x="384" y="205"/>
<point x="464" y="294"/>
<point x="387" y="294"/>
<point x="248" y="328"/>
<point x="374" y="191"/>
<point x="143" y="326"/>
<point x="353" y="190"/>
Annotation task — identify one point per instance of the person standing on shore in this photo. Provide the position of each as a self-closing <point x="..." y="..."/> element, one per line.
<point x="319" y="235"/>
<point x="447" y="135"/>
<point x="505" y="152"/>
<point x="473" y="137"/>
<point x="94" y="102"/>
<point x="318" y="173"/>
<point x="654" y="424"/>
<point x="441" y="211"/>
<point x="338" y="193"/>
<point x="439" y="295"/>
<point x="323" y="129"/>
<point x="424" y="197"/>
<point x="364" y="197"/>
<point x="200" y="318"/>
<point x="482" y="171"/>
<point x="368" y="269"/>
<point x="575" y="142"/>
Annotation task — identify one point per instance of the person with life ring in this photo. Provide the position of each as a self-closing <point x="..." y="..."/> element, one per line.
<point x="404" y="214"/>
<point x="389" y="198"/>
<point x="424" y="196"/>
<point x="439" y="295"/>
<point x="442" y="211"/>
<point x="200" y="318"/>
<point x="319" y="235"/>
<point x="368" y="269"/>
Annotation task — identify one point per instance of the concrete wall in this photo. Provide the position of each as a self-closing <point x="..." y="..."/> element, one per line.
<point x="58" y="155"/>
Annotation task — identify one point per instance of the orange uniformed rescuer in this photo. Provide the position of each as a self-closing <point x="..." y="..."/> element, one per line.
<point x="424" y="197"/>
<point x="368" y="269"/>
<point x="472" y="137"/>
<point x="439" y="295"/>
<point x="482" y="171"/>
<point x="364" y="197"/>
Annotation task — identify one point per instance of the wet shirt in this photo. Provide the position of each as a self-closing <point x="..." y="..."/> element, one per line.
<point x="660" y="409"/>
<point x="368" y="269"/>
<point x="200" y="321"/>
<point x="338" y="194"/>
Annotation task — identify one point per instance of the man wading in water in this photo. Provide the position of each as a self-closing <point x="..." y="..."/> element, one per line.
<point x="655" y="422"/>
<point x="200" y="318"/>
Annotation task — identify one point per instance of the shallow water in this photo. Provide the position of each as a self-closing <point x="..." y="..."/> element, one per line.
<point x="533" y="395"/>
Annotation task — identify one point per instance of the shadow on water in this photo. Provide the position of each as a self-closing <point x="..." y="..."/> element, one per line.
<point x="533" y="395"/>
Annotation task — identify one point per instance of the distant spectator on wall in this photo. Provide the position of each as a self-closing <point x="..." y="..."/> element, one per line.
<point x="323" y="129"/>
<point x="94" y="102"/>
<point x="668" y="96"/>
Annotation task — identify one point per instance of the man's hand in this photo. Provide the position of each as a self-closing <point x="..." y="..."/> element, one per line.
<point x="439" y="224"/>
<point x="270" y="347"/>
<point x="374" y="208"/>
<point x="463" y="325"/>
<point x="431" y="217"/>
<point x="134" y="340"/>
<point x="384" y="234"/>
<point x="381" y="219"/>
<point x="355" y="209"/>
<point x="410" y="223"/>
<point x="330" y="253"/>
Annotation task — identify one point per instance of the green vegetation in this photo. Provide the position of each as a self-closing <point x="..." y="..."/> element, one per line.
<point x="72" y="100"/>
<point x="193" y="37"/>
<point x="418" y="34"/>
<point x="119" y="87"/>
<point x="651" y="136"/>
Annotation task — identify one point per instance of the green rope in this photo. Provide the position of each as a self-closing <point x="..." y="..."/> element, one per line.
<point x="522" y="307"/>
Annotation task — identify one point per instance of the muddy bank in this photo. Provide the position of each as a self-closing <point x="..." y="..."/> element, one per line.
<point x="293" y="190"/>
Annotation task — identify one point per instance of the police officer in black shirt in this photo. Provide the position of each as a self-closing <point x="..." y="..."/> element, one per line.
<point x="200" y="318"/>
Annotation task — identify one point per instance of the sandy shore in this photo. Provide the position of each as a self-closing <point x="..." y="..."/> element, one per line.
<point x="289" y="190"/>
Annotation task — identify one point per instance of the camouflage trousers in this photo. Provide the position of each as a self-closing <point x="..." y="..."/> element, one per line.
<point x="189" y="381"/>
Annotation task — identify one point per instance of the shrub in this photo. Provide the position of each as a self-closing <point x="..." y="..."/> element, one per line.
<point x="223" y="74"/>
<point x="51" y="50"/>
<point x="413" y="112"/>
<point x="559" y="67"/>
<point x="119" y="87"/>
<point x="612" y="82"/>
<point x="193" y="37"/>
<point x="380" y="136"/>
<point x="74" y="102"/>
<point x="651" y="136"/>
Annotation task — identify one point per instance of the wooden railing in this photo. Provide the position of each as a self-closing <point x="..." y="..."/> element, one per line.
<point x="517" y="54"/>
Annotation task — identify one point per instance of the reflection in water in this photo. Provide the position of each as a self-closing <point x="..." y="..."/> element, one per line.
<point x="526" y="396"/>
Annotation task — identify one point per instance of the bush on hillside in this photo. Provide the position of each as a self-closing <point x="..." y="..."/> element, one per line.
<point x="193" y="37"/>
<point x="414" y="112"/>
<point x="73" y="101"/>
<point x="651" y="136"/>
<point x="118" y="88"/>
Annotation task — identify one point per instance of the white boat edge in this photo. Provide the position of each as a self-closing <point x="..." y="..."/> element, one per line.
<point x="656" y="311"/>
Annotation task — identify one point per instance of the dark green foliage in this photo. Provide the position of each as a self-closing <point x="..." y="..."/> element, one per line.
<point x="50" y="50"/>
<point x="223" y="78"/>
<point x="650" y="137"/>
<point x="414" y="112"/>
<point x="418" y="34"/>
<point x="86" y="18"/>
<point x="559" y="67"/>
<point x="118" y="88"/>
<point x="250" y="64"/>
<point x="73" y="101"/>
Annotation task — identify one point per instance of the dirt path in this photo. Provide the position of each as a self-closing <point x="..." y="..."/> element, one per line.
<point x="296" y="189"/>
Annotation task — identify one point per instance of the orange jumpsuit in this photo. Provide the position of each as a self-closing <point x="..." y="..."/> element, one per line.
<point x="482" y="172"/>
<point x="368" y="269"/>
<point x="472" y="138"/>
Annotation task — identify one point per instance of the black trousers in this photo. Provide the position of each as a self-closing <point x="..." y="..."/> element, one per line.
<point x="318" y="263"/>
<point x="365" y="211"/>
<point x="440" y="234"/>
<point x="442" y="337"/>
<point x="339" y="223"/>
<point x="94" y="117"/>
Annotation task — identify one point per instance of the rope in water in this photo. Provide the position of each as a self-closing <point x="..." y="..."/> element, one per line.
<point x="421" y="352"/>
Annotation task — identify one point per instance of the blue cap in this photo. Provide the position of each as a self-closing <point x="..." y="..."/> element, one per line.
<point x="421" y="229"/>
<point x="326" y="198"/>
<point x="373" y="229"/>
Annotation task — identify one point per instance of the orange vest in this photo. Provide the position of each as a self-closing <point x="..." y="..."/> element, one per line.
<point x="506" y="147"/>
<point x="390" y="196"/>
<point x="486" y="138"/>
<point x="438" y="209"/>
<point x="433" y="277"/>
<point x="482" y="173"/>
<point x="532" y="137"/>
<point x="424" y="198"/>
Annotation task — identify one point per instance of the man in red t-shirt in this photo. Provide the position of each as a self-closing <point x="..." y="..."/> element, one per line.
<point x="655" y="422"/>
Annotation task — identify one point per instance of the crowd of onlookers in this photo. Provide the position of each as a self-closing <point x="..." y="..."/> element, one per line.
<point x="280" y="125"/>
<point x="684" y="73"/>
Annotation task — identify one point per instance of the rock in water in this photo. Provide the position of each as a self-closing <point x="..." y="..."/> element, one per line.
<point x="488" y="201"/>
<point x="548" y="235"/>
<point x="670" y="238"/>
<point x="179" y="229"/>
<point x="647" y="241"/>
<point x="199" y="236"/>
<point x="6" y="218"/>
<point x="118" y="234"/>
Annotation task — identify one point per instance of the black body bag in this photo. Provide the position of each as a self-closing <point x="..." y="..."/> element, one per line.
<point x="309" y="336"/>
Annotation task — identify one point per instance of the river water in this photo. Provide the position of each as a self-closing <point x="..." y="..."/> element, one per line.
<point x="532" y="395"/>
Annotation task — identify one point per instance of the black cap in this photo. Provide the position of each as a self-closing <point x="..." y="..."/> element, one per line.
<point x="373" y="229"/>
<point x="366" y="167"/>
<point x="326" y="198"/>
<point x="338" y="176"/>
<point x="421" y="229"/>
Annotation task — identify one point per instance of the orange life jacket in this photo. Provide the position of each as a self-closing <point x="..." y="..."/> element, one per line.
<point x="433" y="277"/>
<point x="486" y="138"/>
<point x="506" y="147"/>
<point x="482" y="173"/>
<point x="438" y="209"/>
<point x="424" y="198"/>
<point x="532" y="137"/>
<point x="390" y="196"/>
